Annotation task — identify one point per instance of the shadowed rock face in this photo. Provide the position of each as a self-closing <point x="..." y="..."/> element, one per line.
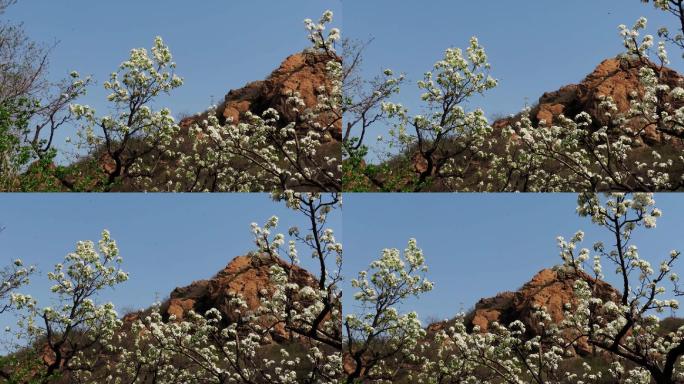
<point x="617" y="78"/>
<point x="550" y="288"/>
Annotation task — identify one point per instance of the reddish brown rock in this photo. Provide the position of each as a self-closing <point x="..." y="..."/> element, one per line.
<point x="420" y="163"/>
<point x="247" y="276"/>
<point x="547" y="112"/>
<point x="491" y="309"/>
<point x="178" y="307"/>
<point x="551" y="289"/>
<point x="617" y="78"/>
<point x="303" y="72"/>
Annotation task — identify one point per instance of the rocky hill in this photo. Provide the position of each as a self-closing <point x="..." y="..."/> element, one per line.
<point x="246" y="276"/>
<point x="550" y="288"/>
<point x="304" y="73"/>
<point x="617" y="78"/>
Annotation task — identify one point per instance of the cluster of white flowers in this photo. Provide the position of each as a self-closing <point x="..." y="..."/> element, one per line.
<point x="675" y="8"/>
<point x="13" y="277"/>
<point x="618" y="327"/>
<point x="87" y="342"/>
<point x="316" y="32"/>
<point x="447" y="148"/>
<point x="262" y="152"/>
<point x="129" y="141"/>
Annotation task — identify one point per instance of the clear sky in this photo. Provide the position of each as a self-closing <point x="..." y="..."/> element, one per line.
<point x="534" y="46"/>
<point x="166" y="240"/>
<point x="477" y="245"/>
<point x="217" y="45"/>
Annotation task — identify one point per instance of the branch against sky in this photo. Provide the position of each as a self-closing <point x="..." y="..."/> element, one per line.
<point x="382" y="345"/>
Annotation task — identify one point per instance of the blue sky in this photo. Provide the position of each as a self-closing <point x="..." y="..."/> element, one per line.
<point x="477" y="245"/>
<point x="217" y="45"/>
<point x="534" y="46"/>
<point x="166" y="240"/>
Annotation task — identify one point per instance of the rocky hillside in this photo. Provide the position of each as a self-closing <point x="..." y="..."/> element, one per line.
<point x="550" y="288"/>
<point x="304" y="73"/>
<point x="247" y="276"/>
<point x="617" y="78"/>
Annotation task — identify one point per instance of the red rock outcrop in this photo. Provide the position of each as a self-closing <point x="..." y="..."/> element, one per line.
<point x="302" y="72"/>
<point x="550" y="288"/>
<point x="247" y="276"/>
<point x="617" y="78"/>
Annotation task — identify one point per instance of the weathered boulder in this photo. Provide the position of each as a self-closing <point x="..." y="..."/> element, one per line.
<point x="550" y="289"/>
<point x="246" y="276"/>
<point x="304" y="73"/>
<point x="617" y="78"/>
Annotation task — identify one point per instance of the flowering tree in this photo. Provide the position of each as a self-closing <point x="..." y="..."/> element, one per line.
<point x="31" y="110"/>
<point x="450" y="149"/>
<point x="73" y="334"/>
<point x="84" y="342"/>
<point x="202" y="348"/>
<point x="627" y="329"/>
<point x="13" y="277"/>
<point x="442" y="145"/>
<point x="136" y="132"/>
<point x="264" y="152"/>
<point x="380" y="340"/>
<point x="623" y="331"/>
